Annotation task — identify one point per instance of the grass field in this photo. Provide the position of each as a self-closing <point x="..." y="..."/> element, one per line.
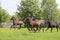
<point x="24" y="34"/>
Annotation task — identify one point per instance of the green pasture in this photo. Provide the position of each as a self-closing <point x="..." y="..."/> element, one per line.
<point x="24" y="34"/>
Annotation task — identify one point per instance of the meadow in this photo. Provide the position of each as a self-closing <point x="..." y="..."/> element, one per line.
<point x="24" y="34"/>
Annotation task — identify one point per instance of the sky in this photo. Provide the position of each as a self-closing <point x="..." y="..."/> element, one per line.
<point x="11" y="5"/>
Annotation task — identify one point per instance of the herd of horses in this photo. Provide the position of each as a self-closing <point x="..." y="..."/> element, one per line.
<point x="34" y="24"/>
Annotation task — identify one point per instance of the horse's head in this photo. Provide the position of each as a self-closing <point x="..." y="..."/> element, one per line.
<point x="27" y="19"/>
<point x="13" y="18"/>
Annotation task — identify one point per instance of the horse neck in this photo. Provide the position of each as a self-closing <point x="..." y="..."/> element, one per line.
<point x="14" y="21"/>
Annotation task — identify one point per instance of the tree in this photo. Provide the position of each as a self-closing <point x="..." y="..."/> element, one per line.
<point x="4" y="16"/>
<point x="29" y="8"/>
<point x="57" y="15"/>
<point x="49" y="9"/>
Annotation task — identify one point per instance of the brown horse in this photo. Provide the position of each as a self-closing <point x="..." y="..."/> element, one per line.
<point x="15" y="22"/>
<point x="51" y="25"/>
<point x="35" y="23"/>
<point x="27" y="22"/>
<point x="41" y="24"/>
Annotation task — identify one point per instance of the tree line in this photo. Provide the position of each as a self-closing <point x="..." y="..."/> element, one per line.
<point x="41" y="9"/>
<point x="4" y="16"/>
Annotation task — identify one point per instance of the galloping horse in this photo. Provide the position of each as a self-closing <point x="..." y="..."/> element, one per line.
<point x="34" y="22"/>
<point x="15" y="22"/>
<point x="27" y="22"/>
<point x="51" y="25"/>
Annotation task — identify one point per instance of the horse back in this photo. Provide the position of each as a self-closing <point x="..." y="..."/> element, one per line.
<point x="19" y="22"/>
<point x="53" y="23"/>
<point x="42" y="21"/>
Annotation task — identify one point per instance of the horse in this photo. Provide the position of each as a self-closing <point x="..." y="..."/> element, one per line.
<point x="35" y="23"/>
<point x="15" y="22"/>
<point x="58" y="24"/>
<point x="52" y="24"/>
<point x="27" y="22"/>
<point x="41" y="24"/>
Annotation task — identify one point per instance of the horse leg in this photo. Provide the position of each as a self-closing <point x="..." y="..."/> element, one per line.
<point x="43" y="27"/>
<point x="47" y="28"/>
<point x="11" y="26"/>
<point x="39" y="28"/>
<point x="20" y="27"/>
<point x="36" y="28"/>
<point x="28" y="27"/>
<point x="51" y="29"/>
<point x="57" y="28"/>
<point x="33" y="28"/>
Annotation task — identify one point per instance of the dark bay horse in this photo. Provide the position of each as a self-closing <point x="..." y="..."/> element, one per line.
<point x="27" y="22"/>
<point x="15" y="22"/>
<point x="35" y="23"/>
<point x="58" y="24"/>
<point x="52" y="25"/>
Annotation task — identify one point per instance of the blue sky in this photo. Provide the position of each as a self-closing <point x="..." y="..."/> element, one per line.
<point x="11" y="5"/>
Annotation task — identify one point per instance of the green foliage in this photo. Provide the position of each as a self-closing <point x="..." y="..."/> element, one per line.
<point x="57" y="15"/>
<point x="29" y="8"/>
<point x="49" y="9"/>
<point x="4" y="16"/>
